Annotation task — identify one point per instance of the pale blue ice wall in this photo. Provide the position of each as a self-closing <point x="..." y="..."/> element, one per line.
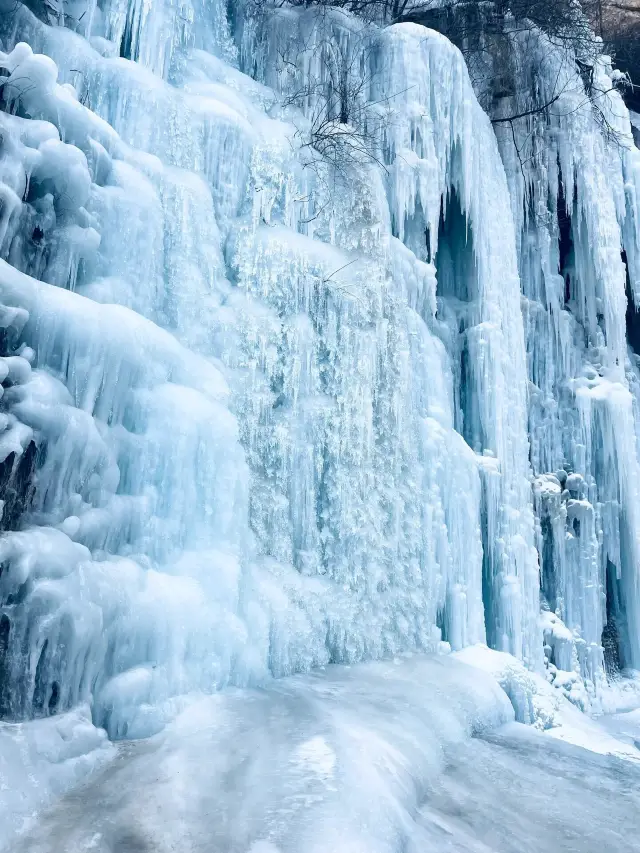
<point x="270" y="432"/>
<point x="574" y="187"/>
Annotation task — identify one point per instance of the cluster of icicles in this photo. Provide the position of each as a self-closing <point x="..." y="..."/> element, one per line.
<point x="260" y="414"/>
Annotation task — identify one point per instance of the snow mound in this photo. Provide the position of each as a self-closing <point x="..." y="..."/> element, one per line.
<point x="543" y="706"/>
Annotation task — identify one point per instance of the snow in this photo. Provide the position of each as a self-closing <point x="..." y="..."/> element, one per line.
<point x="412" y="754"/>
<point x="548" y="706"/>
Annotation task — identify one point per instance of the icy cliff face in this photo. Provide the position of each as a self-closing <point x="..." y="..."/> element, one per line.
<point x="267" y="397"/>
<point x="573" y="177"/>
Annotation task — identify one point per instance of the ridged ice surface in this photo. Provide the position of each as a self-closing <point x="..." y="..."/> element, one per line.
<point x="574" y="187"/>
<point x="244" y="398"/>
<point x="261" y="413"/>
<point x="377" y="757"/>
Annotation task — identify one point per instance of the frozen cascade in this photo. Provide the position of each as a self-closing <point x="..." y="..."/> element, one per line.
<point x="349" y="524"/>
<point x="574" y="195"/>
<point x="261" y="412"/>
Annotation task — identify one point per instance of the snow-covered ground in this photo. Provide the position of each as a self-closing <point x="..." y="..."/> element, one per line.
<point x="418" y="755"/>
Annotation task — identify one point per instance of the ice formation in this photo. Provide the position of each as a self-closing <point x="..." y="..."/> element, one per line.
<point x="277" y="395"/>
<point x="574" y="188"/>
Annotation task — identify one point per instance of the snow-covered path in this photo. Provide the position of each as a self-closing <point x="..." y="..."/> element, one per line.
<point x="518" y="791"/>
<point x="416" y="756"/>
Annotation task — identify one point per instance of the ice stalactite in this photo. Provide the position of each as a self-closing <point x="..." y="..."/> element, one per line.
<point x="572" y="170"/>
<point x="431" y="157"/>
<point x="478" y="305"/>
<point x="85" y="614"/>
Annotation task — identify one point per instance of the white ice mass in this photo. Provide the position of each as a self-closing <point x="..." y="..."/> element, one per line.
<point x="283" y="390"/>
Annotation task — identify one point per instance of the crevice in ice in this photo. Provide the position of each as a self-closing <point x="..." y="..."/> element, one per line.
<point x="456" y="270"/>
<point x="632" y="316"/>
<point x="566" y="260"/>
<point x="6" y="686"/>
<point x="16" y="485"/>
<point x="548" y="567"/>
<point x="45" y="691"/>
<point x="615" y="625"/>
<point x="127" y="38"/>
<point x="456" y="293"/>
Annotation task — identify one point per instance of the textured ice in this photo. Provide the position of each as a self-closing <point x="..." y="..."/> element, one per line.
<point x="574" y="196"/>
<point x="41" y="760"/>
<point x="339" y="514"/>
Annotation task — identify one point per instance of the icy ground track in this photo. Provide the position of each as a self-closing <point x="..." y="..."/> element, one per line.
<point x="320" y="487"/>
<point x="371" y="758"/>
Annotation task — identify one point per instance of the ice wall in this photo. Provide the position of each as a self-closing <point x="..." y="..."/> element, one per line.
<point x="196" y="255"/>
<point x="573" y="175"/>
<point x="265" y="368"/>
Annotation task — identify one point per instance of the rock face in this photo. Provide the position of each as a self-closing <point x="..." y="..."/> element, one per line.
<point x="289" y="331"/>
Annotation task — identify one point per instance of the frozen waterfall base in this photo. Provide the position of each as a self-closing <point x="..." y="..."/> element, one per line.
<point x="418" y="754"/>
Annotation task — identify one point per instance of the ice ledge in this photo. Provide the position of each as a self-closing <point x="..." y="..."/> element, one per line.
<point x="41" y="760"/>
<point x="542" y="706"/>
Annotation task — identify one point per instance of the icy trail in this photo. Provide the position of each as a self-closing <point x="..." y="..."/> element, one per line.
<point x="374" y="758"/>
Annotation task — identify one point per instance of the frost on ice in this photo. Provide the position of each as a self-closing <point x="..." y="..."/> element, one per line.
<point x="337" y="513"/>
<point x="261" y="412"/>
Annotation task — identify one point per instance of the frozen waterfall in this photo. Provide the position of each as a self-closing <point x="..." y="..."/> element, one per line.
<point x="270" y="403"/>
